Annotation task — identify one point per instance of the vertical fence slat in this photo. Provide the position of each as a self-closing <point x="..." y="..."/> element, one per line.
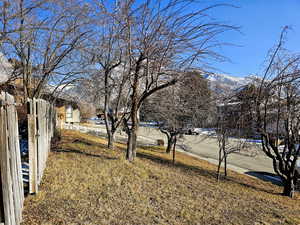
<point x="19" y="162"/>
<point x="41" y="131"/>
<point x="7" y="168"/>
<point x="14" y="151"/>
<point x="4" y="170"/>
<point x="32" y="147"/>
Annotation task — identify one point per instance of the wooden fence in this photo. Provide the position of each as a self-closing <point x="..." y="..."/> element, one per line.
<point x="41" y="124"/>
<point x="11" y="188"/>
<point x="41" y="120"/>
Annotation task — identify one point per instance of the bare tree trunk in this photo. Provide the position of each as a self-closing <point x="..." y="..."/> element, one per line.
<point x="132" y="136"/>
<point x="225" y="164"/>
<point x="131" y="146"/>
<point x="219" y="165"/>
<point x="111" y="139"/>
<point x="174" y="149"/>
<point x="110" y="134"/>
<point x="289" y="187"/>
<point x="169" y="146"/>
<point x="129" y="150"/>
<point x="171" y="140"/>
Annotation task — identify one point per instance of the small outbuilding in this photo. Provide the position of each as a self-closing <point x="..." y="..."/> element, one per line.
<point x="67" y="111"/>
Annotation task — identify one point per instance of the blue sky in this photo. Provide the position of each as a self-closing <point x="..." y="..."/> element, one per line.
<point x="261" y="22"/>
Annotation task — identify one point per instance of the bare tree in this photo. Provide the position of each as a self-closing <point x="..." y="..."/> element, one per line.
<point x="10" y="12"/>
<point x="164" y="108"/>
<point x="230" y="132"/>
<point x="87" y="110"/>
<point x="181" y="107"/>
<point x="107" y="53"/>
<point x="163" y="38"/>
<point x="44" y="47"/>
<point x="277" y="113"/>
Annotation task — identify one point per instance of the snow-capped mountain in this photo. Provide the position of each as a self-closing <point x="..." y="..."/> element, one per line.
<point x="222" y="82"/>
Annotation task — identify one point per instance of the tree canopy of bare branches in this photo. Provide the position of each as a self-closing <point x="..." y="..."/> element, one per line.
<point x="162" y="39"/>
<point x="277" y="113"/>
<point x="180" y="107"/>
<point x="42" y="39"/>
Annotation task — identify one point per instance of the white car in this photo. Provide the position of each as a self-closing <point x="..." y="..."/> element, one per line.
<point x="192" y="131"/>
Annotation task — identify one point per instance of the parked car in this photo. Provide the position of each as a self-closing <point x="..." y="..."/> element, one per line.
<point x="191" y="131"/>
<point x="100" y="121"/>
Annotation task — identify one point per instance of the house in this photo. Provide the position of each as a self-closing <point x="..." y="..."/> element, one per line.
<point x="237" y="113"/>
<point x="67" y="111"/>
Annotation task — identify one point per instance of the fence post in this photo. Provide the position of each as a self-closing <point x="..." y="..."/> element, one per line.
<point x="5" y="171"/>
<point x="40" y="132"/>
<point x="32" y="146"/>
<point x="15" y="162"/>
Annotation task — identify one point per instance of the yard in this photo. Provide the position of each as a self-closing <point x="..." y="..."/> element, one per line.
<point x="85" y="183"/>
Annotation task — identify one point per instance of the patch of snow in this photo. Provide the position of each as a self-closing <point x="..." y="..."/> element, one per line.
<point x="205" y="131"/>
<point x="229" y="103"/>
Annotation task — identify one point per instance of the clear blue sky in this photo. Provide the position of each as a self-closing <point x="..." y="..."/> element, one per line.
<point x="261" y="22"/>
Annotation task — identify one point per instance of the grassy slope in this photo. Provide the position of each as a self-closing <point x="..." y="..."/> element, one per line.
<point x="88" y="184"/>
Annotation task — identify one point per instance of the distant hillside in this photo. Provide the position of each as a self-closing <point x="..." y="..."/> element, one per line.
<point x="222" y="82"/>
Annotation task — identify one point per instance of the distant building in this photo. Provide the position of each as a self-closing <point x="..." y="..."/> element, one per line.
<point x="67" y="111"/>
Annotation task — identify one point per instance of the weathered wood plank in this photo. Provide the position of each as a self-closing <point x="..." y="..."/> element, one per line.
<point x="43" y="130"/>
<point x="3" y="164"/>
<point x="40" y="132"/>
<point x="9" y="215"/>
<point x="2" y="142"/>
<point x="15" y="171"/>
<point x="32" y="153"/>
<point x="19" y="162"/>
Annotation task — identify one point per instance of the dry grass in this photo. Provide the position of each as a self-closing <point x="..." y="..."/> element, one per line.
<point x="85" y="183"/>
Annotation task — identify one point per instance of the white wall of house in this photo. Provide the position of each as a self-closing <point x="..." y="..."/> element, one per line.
<point x="76" y="116"/>
<point x="72" y="115"/>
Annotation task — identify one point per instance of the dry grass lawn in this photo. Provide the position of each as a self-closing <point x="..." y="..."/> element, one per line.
<point x="85" y="183"/>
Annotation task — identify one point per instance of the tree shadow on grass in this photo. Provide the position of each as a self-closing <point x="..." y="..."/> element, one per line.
<point x="88" y="143"/>
<point x="80" y="141"/>
<point x="181" y="166"/>
<point x="268" y="177"/>
<point x="202" y="172"/>
<point x="152" y="148"/>
<point x="84" y="153"/>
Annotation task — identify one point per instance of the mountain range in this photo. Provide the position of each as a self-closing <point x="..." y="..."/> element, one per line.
<point x="223" y="82"/>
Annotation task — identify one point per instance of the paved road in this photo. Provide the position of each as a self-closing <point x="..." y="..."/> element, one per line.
<point x="204" y="148"/>
<point x="208" y="148"/>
